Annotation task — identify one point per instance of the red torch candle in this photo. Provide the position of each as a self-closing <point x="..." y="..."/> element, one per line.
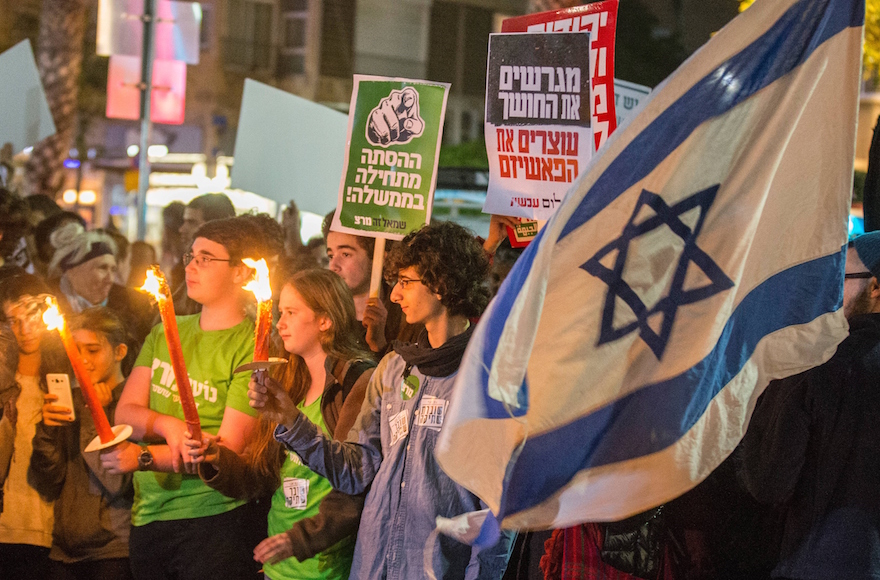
<point x="156" y="285"/>
<point x="262" y="290"/>
<point x="55" y="321"/>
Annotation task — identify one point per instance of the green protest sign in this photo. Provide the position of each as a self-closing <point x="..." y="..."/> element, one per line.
<point x="394" y="131"/>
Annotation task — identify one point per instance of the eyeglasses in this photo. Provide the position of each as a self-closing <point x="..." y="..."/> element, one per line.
<point x="201" y="259"/>
<point x="404" y="283"/>
<point x="851" y="275"/>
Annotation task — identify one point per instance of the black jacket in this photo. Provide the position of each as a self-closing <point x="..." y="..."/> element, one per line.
<point x="813" y="447"/>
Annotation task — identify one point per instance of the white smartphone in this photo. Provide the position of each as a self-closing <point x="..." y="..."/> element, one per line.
<point x="59" y="385"/>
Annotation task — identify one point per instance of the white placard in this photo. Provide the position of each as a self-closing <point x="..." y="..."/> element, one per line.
<point x="289" y="148"/>
<point x="26" y="119"/>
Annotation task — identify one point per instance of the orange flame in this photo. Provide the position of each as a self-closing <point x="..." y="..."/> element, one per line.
<point x="260" y="285"/>
<point x="153" y="285"/>
<point x="52" y="316"/>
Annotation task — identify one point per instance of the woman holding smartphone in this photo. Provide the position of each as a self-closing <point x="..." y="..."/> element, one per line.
<point x="92" y="507"/>
<point x="311" y="527"/>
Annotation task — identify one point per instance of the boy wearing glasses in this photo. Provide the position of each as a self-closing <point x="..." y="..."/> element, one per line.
<point x="176" y="519"/>
<point x="438" y="275"/>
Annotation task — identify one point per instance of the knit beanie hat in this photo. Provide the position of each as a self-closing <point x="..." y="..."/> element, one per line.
<point x="75" y="246"/>
<point x="868" y="248"/>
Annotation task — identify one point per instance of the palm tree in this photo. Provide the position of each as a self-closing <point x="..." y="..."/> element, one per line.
<point x="59" y="60"/>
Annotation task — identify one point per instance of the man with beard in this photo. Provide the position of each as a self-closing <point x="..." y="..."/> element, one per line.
<point x="812" y="445"/>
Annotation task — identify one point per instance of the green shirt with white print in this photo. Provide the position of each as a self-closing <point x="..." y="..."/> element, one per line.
<point x="210" y="357"/>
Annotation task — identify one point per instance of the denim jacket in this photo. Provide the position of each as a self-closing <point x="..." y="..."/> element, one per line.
<point x="391" y="446"/>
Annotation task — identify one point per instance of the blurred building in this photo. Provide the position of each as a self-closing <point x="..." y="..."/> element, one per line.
<point x="312" y="48"/>
<point x="692" y="21"/>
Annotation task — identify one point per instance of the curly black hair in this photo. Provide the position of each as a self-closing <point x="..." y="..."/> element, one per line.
<point x="450" y="262"/>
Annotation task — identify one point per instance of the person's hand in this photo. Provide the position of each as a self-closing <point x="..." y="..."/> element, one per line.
<point x="175" y="432"/>
<point x="498" y="225"/>
<point x="121" y="458"/>
<point x="375" y="315"/>
<point x="55" y="415"/>
<point x="204" y="451"/>
<point x="396" y="118"/>
<point x="104" y="392"/>
<point x="274" y="549"/>
<point x="269" y="398"/>
<point x="10" y="411"/>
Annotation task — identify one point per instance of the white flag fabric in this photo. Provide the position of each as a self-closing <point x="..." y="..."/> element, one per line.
<point x="699" y="257"/>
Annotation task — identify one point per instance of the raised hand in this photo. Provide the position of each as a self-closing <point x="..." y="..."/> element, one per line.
<point x="498" y="225"/>
<point x="375" y="315"/>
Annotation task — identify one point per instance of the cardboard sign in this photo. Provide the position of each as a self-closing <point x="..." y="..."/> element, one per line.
<point x="538" y="135"/>
<point x="26" y="119"/>
<point x="628" y="98"/>
<point x="288" y="148"/>
<point x="600" y="20"/>
<point x="394" y="131"/>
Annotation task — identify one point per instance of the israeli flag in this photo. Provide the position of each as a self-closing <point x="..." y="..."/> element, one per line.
<point x="699" y="257"/>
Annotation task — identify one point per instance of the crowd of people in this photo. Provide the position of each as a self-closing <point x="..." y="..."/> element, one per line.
<point x="323" y="466"/>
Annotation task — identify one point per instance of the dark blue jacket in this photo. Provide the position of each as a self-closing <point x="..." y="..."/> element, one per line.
<point x="813" y="448"/>
<point x="391" y="446"/>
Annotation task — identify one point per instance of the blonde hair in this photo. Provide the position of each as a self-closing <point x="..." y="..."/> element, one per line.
<point x="326" y="294"/>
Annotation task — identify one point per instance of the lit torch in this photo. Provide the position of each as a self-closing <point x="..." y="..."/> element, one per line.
<point x="55" y="321"/>
<point x="262" y="290"/>
<point x="156" y="286"/>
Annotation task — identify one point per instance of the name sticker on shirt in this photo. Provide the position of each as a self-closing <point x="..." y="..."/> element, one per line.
<point x="296" y="493"/>
<point x="431" y="412"/>
<point x="399" y="427"/>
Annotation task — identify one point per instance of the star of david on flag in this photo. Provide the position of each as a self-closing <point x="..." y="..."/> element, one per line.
<point x="698" y="257"/>
<point x="664" y="309"/>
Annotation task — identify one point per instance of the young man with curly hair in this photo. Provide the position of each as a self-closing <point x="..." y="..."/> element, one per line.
<point x="437" y="275"/>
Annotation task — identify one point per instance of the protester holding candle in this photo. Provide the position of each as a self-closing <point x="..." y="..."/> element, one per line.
<point x="92" y="506"/>
<point x="26" y="521"/>
<point x="437" y="274"/>
<point x="181" y="527"/>
<point x="311" y="528"/>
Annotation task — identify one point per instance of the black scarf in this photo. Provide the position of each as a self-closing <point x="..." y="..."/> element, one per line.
<point x="434" y="362"/>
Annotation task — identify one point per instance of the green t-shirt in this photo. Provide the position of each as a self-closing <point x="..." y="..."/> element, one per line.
<point x="298" y="498"/>
<point x="210" y="357"/>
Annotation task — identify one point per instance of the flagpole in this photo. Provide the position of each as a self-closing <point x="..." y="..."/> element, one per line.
<point x="147" y="55"/>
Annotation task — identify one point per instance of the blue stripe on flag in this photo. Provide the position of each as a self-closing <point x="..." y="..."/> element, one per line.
<point x="786" y="45"/>
<point x="658" y="415"/>
<point x="494" y="323"/>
